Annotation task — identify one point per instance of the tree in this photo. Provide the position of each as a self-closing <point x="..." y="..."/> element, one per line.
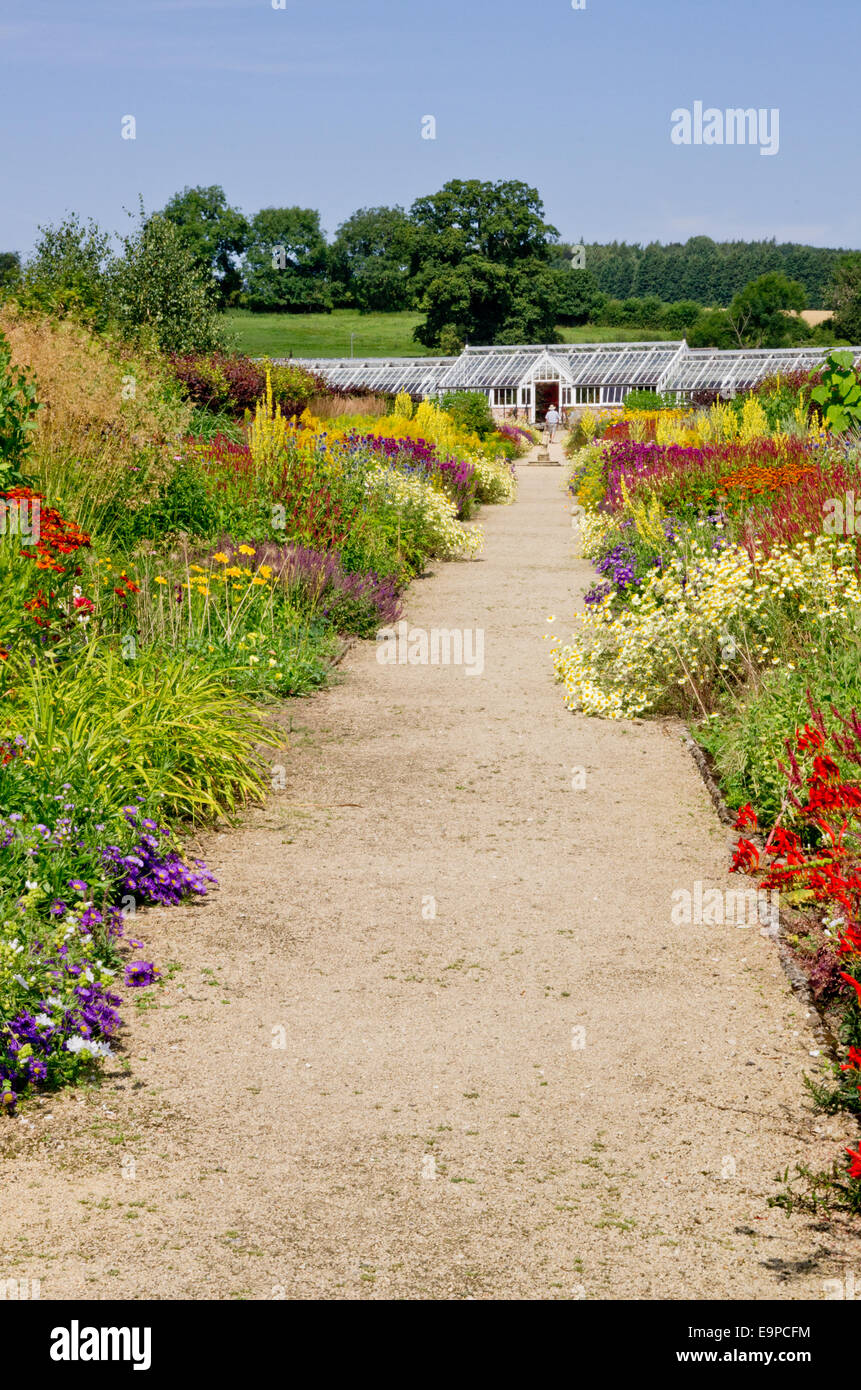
<point x="531" y="316"/>
<point x="759" y="316"/>
<point x="681" y="315"/>
<point x="370" y="260"/>
<point x="469" y="301"/>
<point x="479" y="263"/>
<point x="10" y="268"/>
<point x="713" y="328"/>
<point x="285" y="266"/>
<point x="577" y="295"/>
<point x="844" y="298"/>
<point x="502" y="222"/>
<point x="159" y="288"/>
<point x="69" y="273"/>
<point x="215" y="233"/>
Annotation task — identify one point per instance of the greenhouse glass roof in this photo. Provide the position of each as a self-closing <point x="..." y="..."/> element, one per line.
<point x="417" y="375"/>
<point x="707" y="369"/>
<point x="662" y="366"/>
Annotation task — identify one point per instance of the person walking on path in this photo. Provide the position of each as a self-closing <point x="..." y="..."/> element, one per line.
<point x="551" y="420"/>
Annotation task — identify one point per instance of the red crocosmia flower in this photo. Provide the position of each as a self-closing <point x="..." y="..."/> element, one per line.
<point x="808" y="740"/>
<point x="746" y="857"/>
<point x="854" y="983"/>
<point x="855" y="1165"/>
<point x="825" y="769"/>
<point x="787" y="845"/>
<point x="854" y="1062"/>
<point x="746" y="817"/>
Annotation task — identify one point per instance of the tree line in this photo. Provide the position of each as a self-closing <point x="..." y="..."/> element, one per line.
<point x="478" y="260"/>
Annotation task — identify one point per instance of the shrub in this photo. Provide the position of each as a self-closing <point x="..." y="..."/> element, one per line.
<point x="158" y="289"/>
<point x="69" y="274"/>
<point x="18" y="409"/>
<point x="235" y="384"/>
<point x="470" y="411"/>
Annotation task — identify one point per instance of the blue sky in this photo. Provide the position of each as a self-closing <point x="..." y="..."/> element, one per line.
<point x="320" y="104"/>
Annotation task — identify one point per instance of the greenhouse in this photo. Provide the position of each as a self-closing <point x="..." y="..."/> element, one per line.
<point x="527" y="381"/>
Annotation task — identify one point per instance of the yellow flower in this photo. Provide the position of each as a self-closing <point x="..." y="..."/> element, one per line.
<point x="257" y="580"/>
<point x="265" y="570"/>
<point x="197" y="568"/>
<point x="246" y="550"/>
<point x="221" y="558"/>
<point x="160" y="579"/>
<point x="234" y="571"/>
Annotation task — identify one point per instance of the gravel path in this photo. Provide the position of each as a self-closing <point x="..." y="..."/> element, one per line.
<point x="504" y="1072"/>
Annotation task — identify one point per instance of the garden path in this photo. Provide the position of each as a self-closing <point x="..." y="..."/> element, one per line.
<point x="545" y="1091"/>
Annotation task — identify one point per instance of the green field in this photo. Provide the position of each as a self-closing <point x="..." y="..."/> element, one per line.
<point x="325" y="335"/>
<point x="590" y="333"/>
<point x="376" y="335"/>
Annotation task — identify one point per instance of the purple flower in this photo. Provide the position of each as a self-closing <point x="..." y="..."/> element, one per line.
<point x="140" y="973"/>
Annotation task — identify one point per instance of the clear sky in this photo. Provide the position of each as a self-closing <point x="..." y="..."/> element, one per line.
<point x="321" y="104"/>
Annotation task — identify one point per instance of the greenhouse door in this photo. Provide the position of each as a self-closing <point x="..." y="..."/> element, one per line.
<point x="546" y="394"/>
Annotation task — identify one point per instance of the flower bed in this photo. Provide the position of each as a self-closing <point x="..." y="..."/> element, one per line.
<point x="212" y="573"/>
<point x="728" y="592"/>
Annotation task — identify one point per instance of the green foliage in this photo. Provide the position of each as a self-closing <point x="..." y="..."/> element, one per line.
<point x="650" y="400"/>
<point x="746" y="741"/>
<point x="449" y="341"/>
<point x="480" y="264"/>
<point x="839" y="396"/>
<point x="817" y="1194"/>
<point x="470" y="410"/>
<point x="286" y="262"/>
<point x="370" y="261"/>
<point x="759" y="312"/>
<point x="712" y="329"/>
<point x="10" y="269"/>
<point x="157" y="725"/>
<point x="578" y="298"/>
<point x="708" y="272"/>
<point x="845" y="298"/>
<point x="681" y="315"/>
<point x="182" y="507"/>
<point x="159" y="290"/>
<point x="18" y="410"/>
<point x="215" y="233"/>
<point x="69" y="273"/>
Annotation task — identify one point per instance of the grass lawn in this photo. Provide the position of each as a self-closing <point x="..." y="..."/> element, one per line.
<point x="325" y="335"/>
<point x="589" y="333"/>
<point x="376" y="335"/>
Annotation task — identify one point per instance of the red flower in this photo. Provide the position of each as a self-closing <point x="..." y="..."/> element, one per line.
<point x="809" y="740"/>
<point x="746" y="817"/>
<point x="855" y="1165"/>
<point x="854" y="983"/>
<point x="746" y="857"/>
<point x="854" y="1063"/>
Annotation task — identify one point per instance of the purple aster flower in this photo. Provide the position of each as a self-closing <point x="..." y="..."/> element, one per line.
<point x="140" y="973"/>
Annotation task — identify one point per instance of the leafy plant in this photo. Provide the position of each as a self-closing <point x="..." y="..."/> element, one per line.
<point x="18" y="410"/>
<point x="839" y="395"/>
